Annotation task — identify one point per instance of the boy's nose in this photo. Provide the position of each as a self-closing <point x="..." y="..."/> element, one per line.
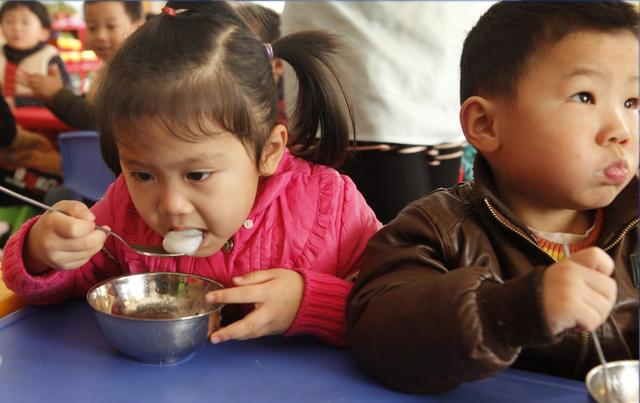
<point x="617" y="128"/>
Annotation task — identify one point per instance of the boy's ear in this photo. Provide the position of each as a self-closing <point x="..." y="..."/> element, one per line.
<point x="273" y="148"/>
<point x="477" y="118"/>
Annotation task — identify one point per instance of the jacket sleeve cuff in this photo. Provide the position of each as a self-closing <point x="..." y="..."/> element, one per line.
<point x="512" y="313"/>
<point x="60" y="99"/>
<point x="50" y="287"/>
<point x="322" y="309"/>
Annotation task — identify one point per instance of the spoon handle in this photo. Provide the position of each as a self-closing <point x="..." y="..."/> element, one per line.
<point x="29" y="200"/>
<point x="596" y="343"/>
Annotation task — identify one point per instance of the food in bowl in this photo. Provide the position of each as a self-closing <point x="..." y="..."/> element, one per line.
<point x="157" y="318"/>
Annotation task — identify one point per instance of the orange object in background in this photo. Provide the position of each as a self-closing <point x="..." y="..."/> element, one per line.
<point x="9" y="302"/>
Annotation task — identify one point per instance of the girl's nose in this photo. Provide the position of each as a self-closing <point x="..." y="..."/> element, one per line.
<point x="172" y="202"/>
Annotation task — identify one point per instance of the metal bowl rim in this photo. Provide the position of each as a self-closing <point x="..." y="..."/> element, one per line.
<point x="610" y="364"/>
<point x="216" y="307"/>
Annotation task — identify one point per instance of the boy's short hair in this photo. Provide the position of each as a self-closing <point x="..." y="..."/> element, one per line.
<point x="35" y="6"/>
<point x="262" y="21"/>
<point x="499" y="48"/>
<point x="133" y="9"/>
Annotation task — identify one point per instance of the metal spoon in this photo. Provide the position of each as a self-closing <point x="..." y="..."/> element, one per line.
<point x="596" y="341"/>
<point x="147" y="250"/>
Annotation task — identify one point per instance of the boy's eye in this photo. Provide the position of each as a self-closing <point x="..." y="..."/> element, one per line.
<point x="141" y="176"/>
<point x="583" y="97"/>
<point x="631" y="103"/>
<point x="198" y="176"/>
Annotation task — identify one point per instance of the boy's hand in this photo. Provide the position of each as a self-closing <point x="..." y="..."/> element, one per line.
<point x="276" y="294"/>
<point x="43" y="87"/>
<point x="62" y="242"/>
<point x="578" y="291"/>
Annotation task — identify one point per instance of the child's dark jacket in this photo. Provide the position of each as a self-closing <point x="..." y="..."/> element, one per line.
<point x="451" y="291"/>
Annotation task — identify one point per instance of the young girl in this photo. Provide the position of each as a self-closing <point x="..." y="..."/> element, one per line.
<point x="188" y="108"/>
<point x="26" y="27"/>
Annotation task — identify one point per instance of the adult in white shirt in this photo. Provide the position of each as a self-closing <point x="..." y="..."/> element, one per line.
<point x="401" y="67"/>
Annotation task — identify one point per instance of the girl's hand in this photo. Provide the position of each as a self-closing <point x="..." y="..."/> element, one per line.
<point x="43" y="87"/>
<point x="579" y="291"/>
<point x="276" y="294"/>
<point x="62" y="242"/>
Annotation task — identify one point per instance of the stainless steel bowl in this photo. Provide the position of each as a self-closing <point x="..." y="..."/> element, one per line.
<point x="157" y="318"/>
<point x="624" y="382"/>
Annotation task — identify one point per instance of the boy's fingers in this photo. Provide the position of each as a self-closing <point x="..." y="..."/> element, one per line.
<point x="590" y="318"/>
<point x="601" y="285"/>
<point x="600" y="304"/>
<point x="594" y="258"/>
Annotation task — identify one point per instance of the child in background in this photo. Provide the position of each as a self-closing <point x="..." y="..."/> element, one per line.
<point x="188" y="106"/>
<point x="108" y="23"/>
<point x="469" y="281"/>
<point x="26" y="27"/>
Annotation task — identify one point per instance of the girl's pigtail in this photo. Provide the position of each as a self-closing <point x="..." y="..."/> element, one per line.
<point x="322" y="102"/>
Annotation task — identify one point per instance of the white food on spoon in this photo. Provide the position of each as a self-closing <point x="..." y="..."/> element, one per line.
<point x="186" y="242"/>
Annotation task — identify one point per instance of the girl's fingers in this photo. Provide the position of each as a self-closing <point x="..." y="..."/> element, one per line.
<point x="72" y="260"/>
<point x="93" y="241"/>
<point x="75" y="209"/>
<point x="250" y="327"/>
<point x="250" y="294"/>
<point x="256" y="277"/>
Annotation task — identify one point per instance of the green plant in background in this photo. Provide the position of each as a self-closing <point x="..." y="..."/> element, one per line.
<point x="60" y="9"/>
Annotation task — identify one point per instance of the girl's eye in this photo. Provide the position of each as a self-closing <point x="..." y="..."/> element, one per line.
<point x="141" y="176"/>
<point x="631" y="103"/>
<point x="198" y="176"/>
<point x="583" y="98"/>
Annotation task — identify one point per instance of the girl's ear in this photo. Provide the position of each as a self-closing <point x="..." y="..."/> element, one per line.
<point x="273" y="148"/>
<point x="477" y="118"/>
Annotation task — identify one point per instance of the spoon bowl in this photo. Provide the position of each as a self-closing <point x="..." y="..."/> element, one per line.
<point x="147" y="250"/>
<point x="624" y="382"/>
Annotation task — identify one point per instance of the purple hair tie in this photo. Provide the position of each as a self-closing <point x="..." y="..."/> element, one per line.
<point x="269" y="50"/>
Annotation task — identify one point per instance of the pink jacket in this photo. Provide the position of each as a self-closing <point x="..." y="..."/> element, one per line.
<point x="306" y="218"/>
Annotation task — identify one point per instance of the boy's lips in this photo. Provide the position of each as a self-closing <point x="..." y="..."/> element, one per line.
<point x="616" y="172"/>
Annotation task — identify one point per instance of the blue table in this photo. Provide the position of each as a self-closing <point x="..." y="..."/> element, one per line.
<point x="58" y="354"/>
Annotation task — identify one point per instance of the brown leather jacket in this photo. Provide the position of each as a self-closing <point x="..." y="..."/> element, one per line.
<point x="450" y="291"/>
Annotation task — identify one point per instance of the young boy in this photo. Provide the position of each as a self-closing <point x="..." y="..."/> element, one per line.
<point x="469" y="281"/>
<point x="109" y="23"/>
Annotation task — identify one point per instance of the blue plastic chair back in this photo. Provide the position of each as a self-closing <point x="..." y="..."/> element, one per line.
<point x="83" y="169"/>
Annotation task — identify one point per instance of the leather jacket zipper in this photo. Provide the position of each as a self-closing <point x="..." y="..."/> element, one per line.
<point x="584" y="335"/>
<point x="511" y="228"/>
<point x="532" y="242"/>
